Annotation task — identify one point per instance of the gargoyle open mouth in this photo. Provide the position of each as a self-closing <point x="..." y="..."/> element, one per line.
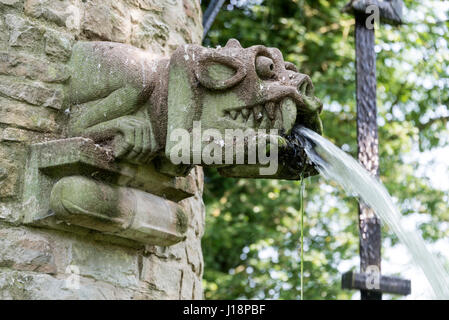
<point x="268" y="115"/>
<point x="281" y="114"/>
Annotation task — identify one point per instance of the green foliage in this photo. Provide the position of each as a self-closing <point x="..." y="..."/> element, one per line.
<point x="251" y="245"/>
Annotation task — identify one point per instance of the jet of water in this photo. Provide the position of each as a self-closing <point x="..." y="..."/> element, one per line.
<point x="335" y="164"/>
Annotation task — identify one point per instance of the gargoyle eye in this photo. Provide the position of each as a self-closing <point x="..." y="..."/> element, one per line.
<point x="219" y="72"/>
<point x="290" y="66"/>
<point x="265" y="67"/>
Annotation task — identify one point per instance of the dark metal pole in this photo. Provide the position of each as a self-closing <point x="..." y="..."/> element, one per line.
<point x="389" y="11"/>
<point x="369" y="224"/>
<point x="210" y="14"/>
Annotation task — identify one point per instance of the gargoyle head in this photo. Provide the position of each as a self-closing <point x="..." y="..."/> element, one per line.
<point x="238" y="88"/>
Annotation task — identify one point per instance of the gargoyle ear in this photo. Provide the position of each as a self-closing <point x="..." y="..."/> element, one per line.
<point x="233" y="43"/>
<point x="290" y="66"/>
<point x="219" y="72"/>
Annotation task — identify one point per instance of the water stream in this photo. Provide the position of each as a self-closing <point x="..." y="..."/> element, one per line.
<point x="335" y="164"/>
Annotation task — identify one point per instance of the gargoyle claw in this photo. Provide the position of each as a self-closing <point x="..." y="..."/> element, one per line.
<point x="134" y="140"/>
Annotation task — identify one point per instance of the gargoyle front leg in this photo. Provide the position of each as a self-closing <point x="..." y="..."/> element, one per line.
<point x="133" y="138"/>
<point x="110" y="118"/>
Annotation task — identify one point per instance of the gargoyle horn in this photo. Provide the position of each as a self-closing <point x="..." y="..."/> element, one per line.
<point x="233" y="43"/>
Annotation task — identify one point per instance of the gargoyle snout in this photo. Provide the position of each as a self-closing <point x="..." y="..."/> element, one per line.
<point x="303" y="84"/>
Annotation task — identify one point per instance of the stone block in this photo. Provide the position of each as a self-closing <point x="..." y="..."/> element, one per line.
<point x="4" y="33"/>
<point x="8" y="211"/>
<point x="58" y="44"/>
<point x="187" y="284"/>
<point x="34" y="93"/>
<point x="106" y="20"/>
<point x="174" y="252"/>
<point x="150" y="29"/>
<point x="113" y="265"/>
<point x="12" y="3"/>
<point x="147" y="5"/>
<point x="162" y="277"/>
<point x="20" y="249"/>
<point x="19" y="285"/>
<point x="198" y="290"/>
<point x="16" y="135"/>
<point x="24" y="65"/>
<point x="63" y="13"/>
<point x="25" y="116"/>
<point x="11" y="171"/>
<point x="23" y="33"/>
<point x="197" y="221"/>
<point x="194" y="255"/>
<point x="9" y="179"/>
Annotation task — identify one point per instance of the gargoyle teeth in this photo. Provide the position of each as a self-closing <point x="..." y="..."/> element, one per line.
<point x="276" y="123"/>
<point x="265" y="116"/>
<point x="240" y="117"/>
<point x="245" y="113"/>
<point x="271" y="109"/>
<point x="288" y="110"/>
<point x="250" y="123"/>
<point x="258" y="112"/>
<point x="265" y="122"/>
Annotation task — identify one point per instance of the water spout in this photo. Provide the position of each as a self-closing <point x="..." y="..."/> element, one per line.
<point x="335" y="164"/>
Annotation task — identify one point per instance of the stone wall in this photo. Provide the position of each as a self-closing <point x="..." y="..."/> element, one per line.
<point x="36" y="37"/>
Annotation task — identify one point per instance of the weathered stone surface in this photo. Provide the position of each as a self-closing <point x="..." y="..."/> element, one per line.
<point x="63" y="13"/>
<point x="23" y="33"/>
<point x="11" y="168"/>
<point x="23" y="250"/>
<point x="18" y="64"/>
<point x="15" y="285"/>
<point x="36" y="39"/>
<point x="187" y="285"/>
<point x="147" y="5"/>
<point x="194" y="254"/>
<point x="4" y="32"/>
<point x="11" y="3"/>
<point x="9" y="179"/>
<point x="106" y="20"/>
<point x="113" y="265"/>
<point x="150" y="30"/>
<point x="198" y="289"/>
<point x="7" y="210"/>
<point x="196" y="221"/>
<point x="163" y="277"/>
<point x="3" y="173"/>
<point x="34" y="93"/>
<point x="25" y="116"/>
<point x="174" y="252"/>
<point x="15" y="135"/>
<point x="58" y="44"/>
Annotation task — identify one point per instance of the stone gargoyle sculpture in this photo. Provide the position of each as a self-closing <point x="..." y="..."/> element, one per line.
<point x="130" y="103"/>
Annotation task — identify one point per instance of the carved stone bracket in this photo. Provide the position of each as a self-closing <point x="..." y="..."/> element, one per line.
<point x="74" y="182"/>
